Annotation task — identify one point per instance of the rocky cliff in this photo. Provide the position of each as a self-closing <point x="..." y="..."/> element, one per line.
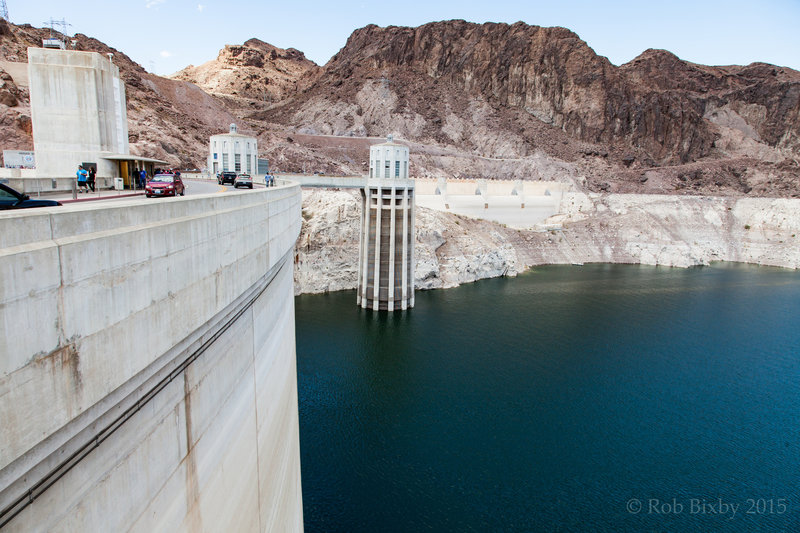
<point x="607" y="228"/>
<point x="508" y="91"/>
<point x="476" y="100"/>
<point x="251" y="73"/>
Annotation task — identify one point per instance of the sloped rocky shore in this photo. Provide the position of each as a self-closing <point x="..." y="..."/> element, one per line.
<point x="679" y="231"/>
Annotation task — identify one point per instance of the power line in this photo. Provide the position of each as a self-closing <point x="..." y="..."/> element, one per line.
<point x="54" y="24"/>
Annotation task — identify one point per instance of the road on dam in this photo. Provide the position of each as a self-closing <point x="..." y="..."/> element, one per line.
<point x="196" y="187"/>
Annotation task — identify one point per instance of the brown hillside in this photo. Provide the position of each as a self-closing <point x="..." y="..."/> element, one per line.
<point x="167" y="119"/>
<point x="506" y="91"/>
<point x="489" y="100"/>
<point x="255" y="72"/>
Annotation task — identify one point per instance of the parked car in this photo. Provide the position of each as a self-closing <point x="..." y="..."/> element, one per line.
<point x="165" y="185"/>
<point x="12" y="199"/>
<point x="243" y="180"/>
<point x="226" y="177"/>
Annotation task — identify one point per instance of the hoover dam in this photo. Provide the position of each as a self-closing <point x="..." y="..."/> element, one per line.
<point x="148" y="365"/>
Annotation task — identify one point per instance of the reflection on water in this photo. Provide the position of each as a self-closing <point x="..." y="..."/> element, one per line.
<point x="555" y="401"/>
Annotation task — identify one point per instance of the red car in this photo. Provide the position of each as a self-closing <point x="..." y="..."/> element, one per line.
<point x="165" y="185"/>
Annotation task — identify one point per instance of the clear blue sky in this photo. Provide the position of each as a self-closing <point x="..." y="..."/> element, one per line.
<point x="167" y="35"/>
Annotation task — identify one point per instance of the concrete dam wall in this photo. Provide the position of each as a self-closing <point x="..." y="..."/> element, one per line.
<point x="147" y="365"/>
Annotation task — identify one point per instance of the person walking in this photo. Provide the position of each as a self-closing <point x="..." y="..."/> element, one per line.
<point x="82" y="177"/>
<point x="143" y="178"/>
<point x="90" y="179"/>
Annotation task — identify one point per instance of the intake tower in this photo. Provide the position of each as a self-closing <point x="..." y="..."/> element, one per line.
<point x="386" y="252"/>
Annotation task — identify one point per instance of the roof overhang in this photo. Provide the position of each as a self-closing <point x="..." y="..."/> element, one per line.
<point x="129" y="157"/>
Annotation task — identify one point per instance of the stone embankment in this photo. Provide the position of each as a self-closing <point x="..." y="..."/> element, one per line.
<point x="679" y="231"/>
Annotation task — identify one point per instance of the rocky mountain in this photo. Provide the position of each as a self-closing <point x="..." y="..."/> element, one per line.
<point x="167" y="119"/>
<point x="252" y="73"/>
<point x="472" y="100"/>
<point x="508" y="91"/>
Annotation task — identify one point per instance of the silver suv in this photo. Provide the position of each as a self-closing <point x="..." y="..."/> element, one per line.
<point x="243" y="180"/>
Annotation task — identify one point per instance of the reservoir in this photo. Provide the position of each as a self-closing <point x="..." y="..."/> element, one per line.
<point x="592" y="398"/>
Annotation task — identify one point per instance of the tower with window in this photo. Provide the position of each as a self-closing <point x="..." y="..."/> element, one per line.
<point x="386" y="253"/>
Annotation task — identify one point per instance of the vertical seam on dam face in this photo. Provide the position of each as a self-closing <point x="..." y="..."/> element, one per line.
<point x="192" y="488"/>
<point x="255" y="411"/>
<point x="36" y="488"/>
<point x="62" y="336"/>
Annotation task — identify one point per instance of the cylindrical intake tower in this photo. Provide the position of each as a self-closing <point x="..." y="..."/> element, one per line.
<point x="386" y="254"/>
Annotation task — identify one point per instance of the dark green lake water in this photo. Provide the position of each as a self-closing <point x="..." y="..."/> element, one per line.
<point x="594" y="398"/>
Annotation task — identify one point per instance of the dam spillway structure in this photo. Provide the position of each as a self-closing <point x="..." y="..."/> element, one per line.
<point x="386" y="251"/>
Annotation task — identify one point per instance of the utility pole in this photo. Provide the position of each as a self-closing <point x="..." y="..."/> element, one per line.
<point x="53" y="24"/>
<point x="4" y="10"/>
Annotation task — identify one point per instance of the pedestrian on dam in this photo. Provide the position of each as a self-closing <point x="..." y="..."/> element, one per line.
<point x="82" y="177"/>
<point x="90" y="179"/>
<point x="142" y="178"/>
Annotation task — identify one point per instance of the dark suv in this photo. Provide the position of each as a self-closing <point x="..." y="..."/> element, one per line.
<point x="226" y="177"/>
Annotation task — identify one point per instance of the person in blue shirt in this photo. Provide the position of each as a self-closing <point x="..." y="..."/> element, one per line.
<point x="82" y="177"/>
<point x="142" y="178"/>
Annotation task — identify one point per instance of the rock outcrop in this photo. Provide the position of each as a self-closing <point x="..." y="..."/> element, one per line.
<point x="653" y="107"/>
<point x="254" y="71"/>
<point x="9" y="92"/>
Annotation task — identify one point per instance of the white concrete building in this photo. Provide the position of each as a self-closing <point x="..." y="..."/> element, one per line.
<point x="386" y="253"/>
<point x="78" y="112"/>
<point x="232" y="151"/>
<point x="388" y="160"/>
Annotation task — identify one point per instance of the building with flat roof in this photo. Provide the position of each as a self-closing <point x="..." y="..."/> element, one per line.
<point x="233" y="152"/>
<point x="78" y="111"/>
<point x="79" y="117"/>
<point x="386" y="254"/>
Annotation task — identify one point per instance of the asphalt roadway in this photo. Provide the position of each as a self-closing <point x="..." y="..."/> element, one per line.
<point x="193" y="188"/>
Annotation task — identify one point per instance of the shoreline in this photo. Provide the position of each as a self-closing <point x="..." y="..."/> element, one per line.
<point x="658" y="230"/>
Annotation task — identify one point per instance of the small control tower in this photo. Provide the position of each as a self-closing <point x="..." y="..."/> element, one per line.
<point x="386" y="252"/>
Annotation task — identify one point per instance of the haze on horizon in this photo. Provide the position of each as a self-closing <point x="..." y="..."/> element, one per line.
<point x="165" y="36"/>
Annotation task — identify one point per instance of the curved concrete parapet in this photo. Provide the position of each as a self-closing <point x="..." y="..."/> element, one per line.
<point x="147" y="373"/>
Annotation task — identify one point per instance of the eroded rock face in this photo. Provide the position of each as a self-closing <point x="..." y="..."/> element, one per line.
<point x="9" y="93"/>
<point x="254" y="70"/>
<point x="450" y="250"/>
<point x="653" y="108"/>
<point x="481" y="101"/>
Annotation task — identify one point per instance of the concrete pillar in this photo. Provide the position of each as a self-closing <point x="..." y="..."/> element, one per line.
<point x="406" y="245"/>
<point x="386" y="257"/>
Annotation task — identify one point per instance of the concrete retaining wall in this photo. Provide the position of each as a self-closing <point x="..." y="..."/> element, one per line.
<point x="176" y="316"/>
